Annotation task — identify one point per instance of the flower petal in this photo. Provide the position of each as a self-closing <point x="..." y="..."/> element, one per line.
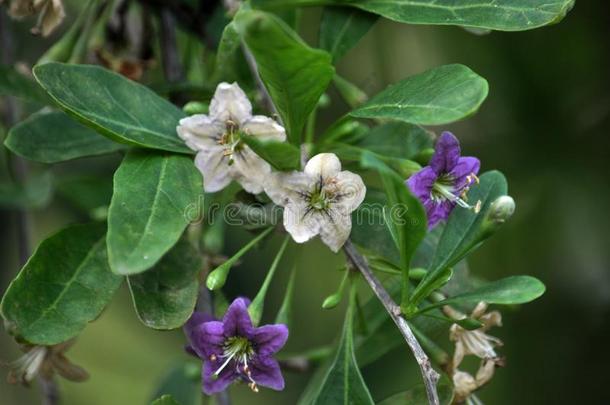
<point x="230" y="103"/>
<point x="326" y="165"/>
<point x="237" y="321"/>
<point x="421" y="183"/>
<point x="286" y="188"/>
<point x="350" y="192"/>
<point x="207" y="339"/>
<point x="437" y="212"/>
<point x="250" y="170"/>
<point x="214" y="384"/>
<point x="446" y="153"/>
<point x="300" y="223"/>
<point x="191" y="326"/>
<point x="466" y="166"/>
<point x="264" y="128"/>
<point x="213" y="166"/>
<point x="270" y="338"/>
<point x="200" y="132"/>
<point x="267" y="372"/>
<point x="336" y="229"/>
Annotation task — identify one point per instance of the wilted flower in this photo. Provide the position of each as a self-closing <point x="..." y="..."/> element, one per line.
<point x="444" y="183"/>
<point x="222" y="156"/>
<point x="50" y="13"/>
<point x="465" y="384"/>
<point x="45" y="361"/>
<point x="319" y="200"/>
<point x="474" y="342"/>
<point x="234" y="349"/>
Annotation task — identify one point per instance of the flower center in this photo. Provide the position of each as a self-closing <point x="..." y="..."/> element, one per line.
<point x="318" y="200"/>
<point x="444" y="189"/>
<point x="231" y="139"/>
<point x="240" y="350"/>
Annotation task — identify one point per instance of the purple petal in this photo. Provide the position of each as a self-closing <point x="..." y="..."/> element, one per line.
<point x="208" y="339"/>
<point x="269" y="339"/>
<point x="237" y="321"/>
<point x="438" y="211"/>
<point x="446" y="153"/>
<point x="421" y="183"/>
<point x="266" y="372"/>
<point x="465" y="167"/>
<point x="193" y="323"/>
<point x="211" y="383"/>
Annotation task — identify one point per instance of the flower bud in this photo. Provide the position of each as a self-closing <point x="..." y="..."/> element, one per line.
<point x="501" y="209"/>
<point x="196" y="107"/>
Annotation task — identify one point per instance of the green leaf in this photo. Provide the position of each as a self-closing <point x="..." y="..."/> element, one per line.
<point x="217" y="277"/>
<point x="438" y="96"/>
<point x="153" y="196"/>
<point x="229" y="57"/>
<point x="282" y="156"/>
<point x="13" y="83"/>
<point x="63" y="286"/>
<point x="463" y="232"/>
<point x="35" y="193"/>
<point x="512" y="290"/>
<point x="183" y="383"/>
<point x="284" y="314"/>
<point x="165" y="296"/>
<point x="341" y="28"/>
<point x="503" y="15"/>
<point x="343" y="383"/>
<point x="258" y="303"/>
<point x="165" y="400"/>
<point x="55" y="137"/>
<point x="418" y="396"/>
<point x="113" y="105"/>
<point x="397" y="139"/>
<point x="294" y="74"/>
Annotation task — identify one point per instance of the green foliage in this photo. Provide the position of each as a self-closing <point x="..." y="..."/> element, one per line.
<point x="118" y="108"/>
<point x="183" y="383"/>
<point x="489" y="14"/>
<point x="154" y="195"/>
<point x="343" y="382"/>
<point x="507" y="291"/>
<point x="36" y="192"/>
<point x="165" y="296"/>
<point x="295" y="74"/>
<point x="438" y="96"/>
<point x="13" y="83"/>
<point x="65" y="285"/>
<point x="281" y="156"/>
<point x="54" y="137"/>
<point x="417" y="395"/>
<point x="341" y="28"/>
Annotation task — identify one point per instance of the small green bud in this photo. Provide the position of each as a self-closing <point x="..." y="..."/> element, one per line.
<point x="196" y="107"/>
<point x="324" y="101"/>
<point x="217" y="278"/>
<point x="332" y="301"/>
<point x="469" y="324"/>
<point x="501" y="209"/>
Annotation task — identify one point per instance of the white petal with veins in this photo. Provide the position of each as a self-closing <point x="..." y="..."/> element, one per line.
<point x="212" y="165"/>
<point x="264" y="128"/>
<point x="200" y="131"/>
<point x="230" y="103"/>
<point x="326" y="165"/>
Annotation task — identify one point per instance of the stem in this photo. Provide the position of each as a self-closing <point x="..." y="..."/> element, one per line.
<point x="50" y="392"/>
<point x="259" y="82"/>
<point x="429" y="375"/>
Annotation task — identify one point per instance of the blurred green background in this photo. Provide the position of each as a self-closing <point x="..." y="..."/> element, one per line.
<point x="545" y="125"/>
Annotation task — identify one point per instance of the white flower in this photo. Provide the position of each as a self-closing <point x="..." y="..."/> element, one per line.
<point x="222" y="156"/>
<point x="319" y="200"/>
<point x="465" y="384"/>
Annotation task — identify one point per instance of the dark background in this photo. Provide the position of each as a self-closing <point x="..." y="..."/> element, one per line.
<point x="544" y="125"/>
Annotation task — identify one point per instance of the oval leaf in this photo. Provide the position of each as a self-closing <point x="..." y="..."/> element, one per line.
<point x="341" y="28"/>
<point x="154" y="194"/>
<point x="64" y="285"/>
<point x="294" y="74"/>
<point x="165" y="296"/>
<point x="55" y="137"/>
<point x="438" y="96"/>
<point x="503" y="15"/>
<point x="117" y="107"/>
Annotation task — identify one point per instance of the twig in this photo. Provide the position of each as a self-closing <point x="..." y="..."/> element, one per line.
<point x="429" y="375"/>
<point x="50" y="392"/>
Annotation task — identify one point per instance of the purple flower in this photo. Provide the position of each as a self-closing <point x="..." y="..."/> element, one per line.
<point x="444" y="183"/>
<point x="234" y="349"/>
